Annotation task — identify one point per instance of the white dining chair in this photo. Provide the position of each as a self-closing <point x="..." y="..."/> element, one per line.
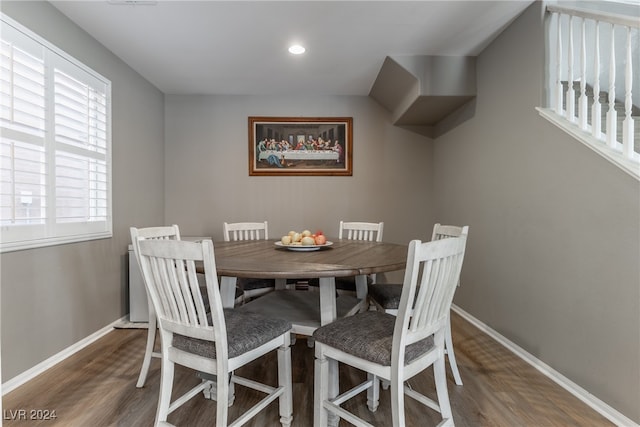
<point x="217" y="341"/>
<point x="393" y="348"/>
<point x="171" y="232"/>
<point x="238" y="231"/>
<point x="367" y="231"/>
<point x="386" y="297"/>
<point x="245" y="231"/>
<point x="364" y="231"/>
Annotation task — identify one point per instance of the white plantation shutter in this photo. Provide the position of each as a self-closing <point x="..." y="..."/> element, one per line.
<point x="55" y="145"/>
<point x="81" y="146"/>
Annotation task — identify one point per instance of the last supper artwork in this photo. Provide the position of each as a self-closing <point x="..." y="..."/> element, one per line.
<point x="300" y="146"/>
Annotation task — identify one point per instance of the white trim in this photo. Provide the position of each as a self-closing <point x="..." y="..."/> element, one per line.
<point x="52" y="47"/>
<point x="30" y="374"/>
<point x="598" y="15"/>
<point x="20" y="236"/>
<point x="52" y="241"/>
<point x="593" y="402"/>
<point x="632" y="167"/>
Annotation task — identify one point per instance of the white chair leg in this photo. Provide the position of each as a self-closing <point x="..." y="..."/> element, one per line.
<point x="451" y="355"/>
<point x="166" y="385"/>
<point x="320" y="391"/>
<point x="222" y="400"/>
<point x="373" y="392"/>
<point x="334" y="388"/>
<point x="148" y="352"/>
<point x="440" y="377"/>
<point x="285" y="380"/>
<point x="397" y="401"/>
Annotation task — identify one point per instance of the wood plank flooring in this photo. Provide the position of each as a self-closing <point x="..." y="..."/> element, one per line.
<point x="96" y="387"/>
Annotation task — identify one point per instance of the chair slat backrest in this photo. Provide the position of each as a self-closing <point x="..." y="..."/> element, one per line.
<point x="246" y="231"/>
<point x="169" y="269"/>
<point x="169" y="232"/>
<point x="434" y="267"/>
<point x="371" y="231"/>
<point x="445" y="231"/>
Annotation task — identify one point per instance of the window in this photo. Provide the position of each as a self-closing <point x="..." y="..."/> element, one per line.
<point x="55" y="145"/>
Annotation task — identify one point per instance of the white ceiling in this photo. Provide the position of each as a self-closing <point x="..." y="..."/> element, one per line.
<point x="240" y="47"/>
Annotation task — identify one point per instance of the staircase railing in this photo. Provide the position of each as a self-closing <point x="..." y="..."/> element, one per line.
<point x="577" y="70"/>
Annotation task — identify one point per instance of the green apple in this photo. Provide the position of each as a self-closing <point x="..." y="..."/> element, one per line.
<point x="308" y="241"/>
<point x="286" y="240"/>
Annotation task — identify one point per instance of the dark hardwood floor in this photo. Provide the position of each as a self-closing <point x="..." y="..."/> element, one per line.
<point x="96" y="387"/>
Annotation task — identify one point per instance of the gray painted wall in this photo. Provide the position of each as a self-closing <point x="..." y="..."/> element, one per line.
<point x="207" y="178"/>
<point x="552" y="262"/>
<point x="54" y="297"/>
<point x="554" y="244"/>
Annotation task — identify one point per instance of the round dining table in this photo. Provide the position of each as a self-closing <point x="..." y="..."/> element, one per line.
<point x="306" y="309"/>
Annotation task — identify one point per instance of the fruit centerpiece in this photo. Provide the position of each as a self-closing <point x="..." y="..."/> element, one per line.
<point x="305" y="238"/>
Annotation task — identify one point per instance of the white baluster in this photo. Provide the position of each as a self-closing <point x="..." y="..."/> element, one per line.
<point x="596" y="112"/>
<point x="559" y="91"/>
<point x="627" y="125"/>
<point x="612" y="117"/>
<point x="582" y="106"/>
<point x="571" y="95"/>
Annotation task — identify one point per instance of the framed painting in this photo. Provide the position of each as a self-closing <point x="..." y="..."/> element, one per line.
<point x="298" y="146"/>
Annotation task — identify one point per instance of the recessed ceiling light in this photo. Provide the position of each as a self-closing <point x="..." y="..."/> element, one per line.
<point x="296" y="49"/>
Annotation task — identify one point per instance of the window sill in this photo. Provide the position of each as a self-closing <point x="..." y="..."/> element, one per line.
<point x="45" y="242"/>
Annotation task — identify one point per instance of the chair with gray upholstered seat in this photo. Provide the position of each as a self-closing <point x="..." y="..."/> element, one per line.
<point x="165" y="232"/>
<point x="215" y="342"/>
<point x="386" y="297"/>
<point x="366" y="231"/>
<point x="237" y="231"/>
<point x="170" y="232"/>
<point x="393" y="348"/>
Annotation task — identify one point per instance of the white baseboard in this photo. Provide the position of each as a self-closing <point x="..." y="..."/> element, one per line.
<point x="29" y="374"/>
<point x="596" y="404"/>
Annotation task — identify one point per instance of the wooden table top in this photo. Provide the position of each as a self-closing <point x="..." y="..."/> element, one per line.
<point x="262" y="258"/>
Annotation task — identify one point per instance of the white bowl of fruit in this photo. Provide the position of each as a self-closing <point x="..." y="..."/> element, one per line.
<point x="304" y="241"/>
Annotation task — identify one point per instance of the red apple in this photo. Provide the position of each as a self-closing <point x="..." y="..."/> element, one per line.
<point x="321" y="239"/>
